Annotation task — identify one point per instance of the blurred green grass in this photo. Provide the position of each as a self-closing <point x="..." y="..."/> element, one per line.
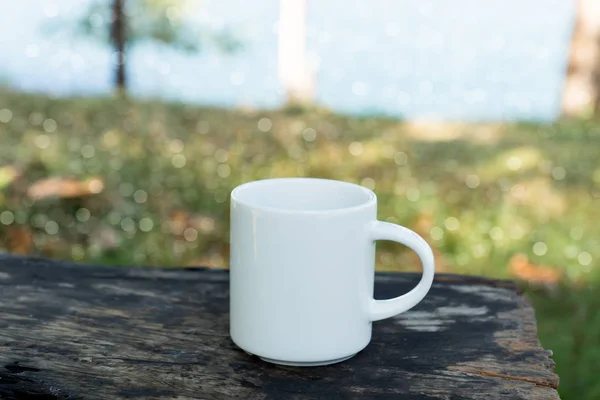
<point x="480" y="194"/>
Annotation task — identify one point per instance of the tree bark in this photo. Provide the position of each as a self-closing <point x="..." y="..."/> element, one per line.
<point x="119" y="40"/>
<point x="581" y="96"/>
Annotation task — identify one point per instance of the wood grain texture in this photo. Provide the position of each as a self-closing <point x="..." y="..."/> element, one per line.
<point x="82" y="332"/>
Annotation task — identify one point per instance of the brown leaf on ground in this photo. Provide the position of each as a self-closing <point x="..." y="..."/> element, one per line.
<point x="59" y="187"/>
<point x="19" y="239"/>
<point x="520" y="267"/>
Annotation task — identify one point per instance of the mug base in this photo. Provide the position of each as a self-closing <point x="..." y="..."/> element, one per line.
<point x="306" y="364"/>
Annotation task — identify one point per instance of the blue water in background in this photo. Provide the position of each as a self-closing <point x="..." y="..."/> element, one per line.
<point x="435" y="59"/>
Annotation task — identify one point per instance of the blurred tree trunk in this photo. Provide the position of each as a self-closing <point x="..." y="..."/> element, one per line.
<point x="581" y="96"/>
<point x="294" y="71"/>
<point x="119" y="40"/>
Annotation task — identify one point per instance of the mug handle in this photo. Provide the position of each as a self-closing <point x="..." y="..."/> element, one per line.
<point x="381" y="309"/>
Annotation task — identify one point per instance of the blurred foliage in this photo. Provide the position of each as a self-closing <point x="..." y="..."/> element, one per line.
<point x="569" y="325"/>
<point x="165" y="22"/>
<point x="121" y="182"/>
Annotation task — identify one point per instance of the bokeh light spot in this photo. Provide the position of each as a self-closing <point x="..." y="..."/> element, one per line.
<point x="51" y="228"/>
<point x="452" y="224"/>
<point x="42" y="141"/>
<point x="472" y="181"/>
<point x="356" y="148"/>
<point x="584" y="258"/>
<point x="82" y="214"/>
<point x="496" y="233"/>
<point x="576" y="233"/>
<point x="36" y="118"/>
<point x="146" y="224"/>
<point x="436" y="233"/>
<point x="95" y="186"/>
<point x="111" y="139"/>
<point x="369" y="183"/>
<point x="223" y="170"/>
<point x="38" y="220"/>
<point x="220" y="197"/>
<point x="5" y="115"/>
<point x="176" y="146"/>
<point x="88" y="151"/>
<point x="128" y="225"/>
<point x="413" y="194"/>
<point x="7" y="217"/>
<point x="400" y="158"/>
<point x="190" y="234"/>
<point x="480" y="250"/>
<point x="514" y="163"/>
<point x="178" y="160"/>
<point x="309" y="134"/>
<point x="50" y="125"/>
<point x="207" y="225"/>
<point x="540" y="248"/>
<point x="559" y="173"/>
<point x="221" y="155"/>
<point x="264" y="124"/>
<point x="140" y="196"/>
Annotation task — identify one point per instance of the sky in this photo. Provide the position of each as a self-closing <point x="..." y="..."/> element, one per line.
<point x="432" y="59"/>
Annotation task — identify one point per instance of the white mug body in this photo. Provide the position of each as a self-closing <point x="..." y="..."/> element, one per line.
<point x="302" y="269"/>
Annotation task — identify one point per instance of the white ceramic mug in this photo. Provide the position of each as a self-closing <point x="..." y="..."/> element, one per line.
<point x="302" y="269"/>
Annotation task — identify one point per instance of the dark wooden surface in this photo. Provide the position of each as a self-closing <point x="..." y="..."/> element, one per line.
<point x="83" y="332"/>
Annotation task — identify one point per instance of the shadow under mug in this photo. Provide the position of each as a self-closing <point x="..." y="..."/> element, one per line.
<point x="302" y="269"/>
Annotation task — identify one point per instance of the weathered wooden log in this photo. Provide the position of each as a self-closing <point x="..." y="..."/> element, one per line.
<point x="91" y="332"/>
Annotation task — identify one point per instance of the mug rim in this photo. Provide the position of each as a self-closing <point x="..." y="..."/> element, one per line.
<point x="370" y="201"/>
